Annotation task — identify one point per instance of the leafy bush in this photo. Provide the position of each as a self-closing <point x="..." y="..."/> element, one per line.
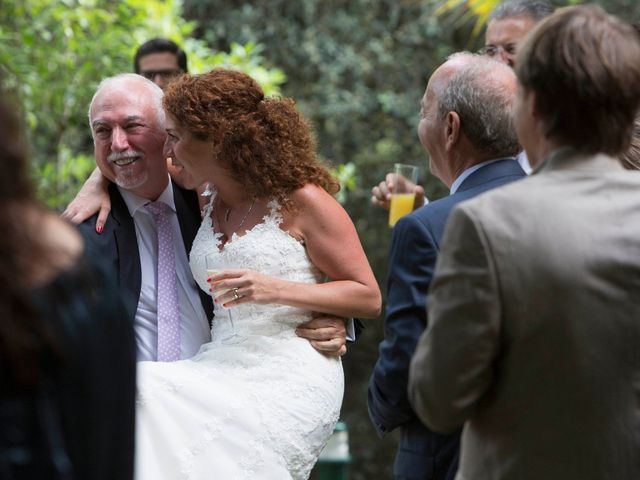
<point x="55" y="53"/>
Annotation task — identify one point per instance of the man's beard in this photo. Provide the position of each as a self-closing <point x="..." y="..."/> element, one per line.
<point x="130" y="180"/>
<point x="124" y="177"/>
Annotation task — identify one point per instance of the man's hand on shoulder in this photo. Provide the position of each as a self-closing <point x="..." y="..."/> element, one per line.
<point x="327" y="334"/>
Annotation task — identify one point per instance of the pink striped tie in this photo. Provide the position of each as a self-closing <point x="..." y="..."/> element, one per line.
<point x="168" y="316"/>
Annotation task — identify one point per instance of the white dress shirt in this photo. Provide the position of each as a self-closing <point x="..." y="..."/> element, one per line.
<point x="194" y="327"/>
<point x="523" y="160"/>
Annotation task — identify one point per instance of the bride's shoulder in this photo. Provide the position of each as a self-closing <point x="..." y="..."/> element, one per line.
<point x="312" y="196"/>
<point x="315" y="206"/>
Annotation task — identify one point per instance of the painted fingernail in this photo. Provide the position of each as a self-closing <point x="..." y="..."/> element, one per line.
<point x="99" y="229"/>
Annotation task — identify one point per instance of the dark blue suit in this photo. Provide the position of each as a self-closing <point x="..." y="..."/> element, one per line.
<point x="422" y="454"/>
<point x="118" y="244"/>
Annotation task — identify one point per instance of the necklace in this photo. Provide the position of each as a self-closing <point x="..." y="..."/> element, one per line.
<point x="226" y="215"/>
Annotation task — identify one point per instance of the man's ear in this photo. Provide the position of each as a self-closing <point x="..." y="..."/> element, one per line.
<point x="451" y="130"/>
<point x="531" y="106"/>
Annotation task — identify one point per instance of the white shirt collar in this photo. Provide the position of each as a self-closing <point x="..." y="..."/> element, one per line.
<point x="464" y="175"/>
<point x="135" y="202"/>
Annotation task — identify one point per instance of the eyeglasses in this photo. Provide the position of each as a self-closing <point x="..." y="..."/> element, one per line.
<point x="493" y="50"/>
<point x="164" y="74"/>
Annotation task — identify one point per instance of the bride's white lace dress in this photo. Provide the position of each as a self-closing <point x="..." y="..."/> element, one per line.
<point x="259" y="409"/>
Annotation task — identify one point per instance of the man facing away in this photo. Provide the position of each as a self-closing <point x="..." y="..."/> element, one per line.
<point x="127" y="124"/>
<point x="508" y="25"/>
<point x="467" y="130"/>
<point x="534" y="319"/>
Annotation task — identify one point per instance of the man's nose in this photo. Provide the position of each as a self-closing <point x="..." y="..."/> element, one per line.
<point x="159" y="80"/>
<point x="503" y="56"/>
<point x="119" y="140"/>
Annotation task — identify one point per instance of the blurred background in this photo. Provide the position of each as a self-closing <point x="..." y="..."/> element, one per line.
<point x="357" y="69"/>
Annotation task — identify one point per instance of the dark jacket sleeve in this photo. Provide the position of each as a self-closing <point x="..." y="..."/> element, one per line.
<point x="412" y="261"/>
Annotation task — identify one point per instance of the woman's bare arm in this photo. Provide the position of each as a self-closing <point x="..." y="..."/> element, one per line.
<point x="333" y="246"/>
<point x="93" y="197"/>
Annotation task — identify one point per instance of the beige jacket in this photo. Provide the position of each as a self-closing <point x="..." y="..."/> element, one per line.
<point x="534" y="327"/>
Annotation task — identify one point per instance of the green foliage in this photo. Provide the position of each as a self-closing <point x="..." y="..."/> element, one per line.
<point x="346" y="175"/>
<point x="479" y="10"/>
<point x="55" y="53"/>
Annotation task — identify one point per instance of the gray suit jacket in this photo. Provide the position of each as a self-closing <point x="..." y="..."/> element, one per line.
<point x="534" y="333"/>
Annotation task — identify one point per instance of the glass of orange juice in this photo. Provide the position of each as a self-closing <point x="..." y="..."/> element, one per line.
<point x="403" y="193"/>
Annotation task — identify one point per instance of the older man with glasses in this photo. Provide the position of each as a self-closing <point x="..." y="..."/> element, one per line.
<point x="508" y="25"/>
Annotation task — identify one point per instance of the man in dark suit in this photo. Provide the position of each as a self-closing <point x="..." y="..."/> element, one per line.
<point x="119" y="247"/>
<point x="127" y="123"/>
<point x="118" y="243"/>
<point x="466" y="128"/>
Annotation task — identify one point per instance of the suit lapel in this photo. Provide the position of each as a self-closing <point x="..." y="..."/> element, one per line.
<point x="126" y="244"/>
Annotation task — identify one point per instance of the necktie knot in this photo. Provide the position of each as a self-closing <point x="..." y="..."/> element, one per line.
<point x="157" y="208"/>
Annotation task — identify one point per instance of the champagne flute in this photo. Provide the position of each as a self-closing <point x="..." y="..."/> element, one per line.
<point x="233" y="337"/>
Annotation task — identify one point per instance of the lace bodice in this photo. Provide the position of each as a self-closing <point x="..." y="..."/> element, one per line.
<point x="265" y="248"/>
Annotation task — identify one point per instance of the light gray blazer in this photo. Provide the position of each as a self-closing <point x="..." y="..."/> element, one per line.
<point x="534" y="333"/>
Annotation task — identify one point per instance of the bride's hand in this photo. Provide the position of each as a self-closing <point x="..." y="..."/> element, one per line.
<point x="244" y="286"/>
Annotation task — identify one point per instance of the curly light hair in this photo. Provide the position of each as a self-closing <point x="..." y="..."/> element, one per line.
<point x="265" y="143"/>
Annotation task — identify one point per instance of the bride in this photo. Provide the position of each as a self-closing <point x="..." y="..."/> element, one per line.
<point x="257" y="401"/>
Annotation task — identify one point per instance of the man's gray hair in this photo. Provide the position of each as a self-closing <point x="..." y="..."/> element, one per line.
<point x="536" y="9"/>
<point x="122" y="82"/>
<point x="484" y="104"/>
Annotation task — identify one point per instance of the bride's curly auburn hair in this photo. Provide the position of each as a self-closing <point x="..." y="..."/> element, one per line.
<point x="264" y="142"/>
